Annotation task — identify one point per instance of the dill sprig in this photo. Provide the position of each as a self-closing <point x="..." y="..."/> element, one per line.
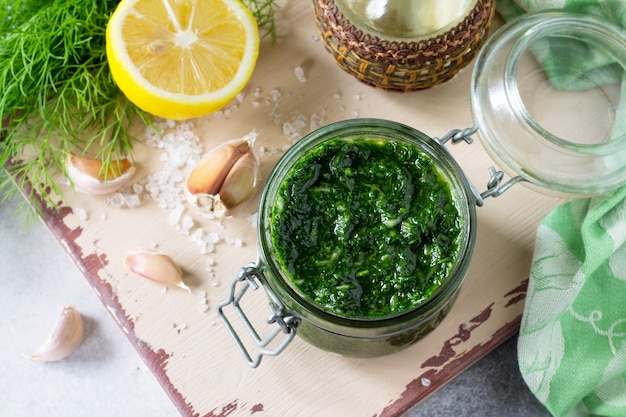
<point x="263" y="11"/>
<point x="58" y="94"/>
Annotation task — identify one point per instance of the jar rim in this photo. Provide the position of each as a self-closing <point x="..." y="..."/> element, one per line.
<point x="377" y="128"/>
<point x="513" y="136"/>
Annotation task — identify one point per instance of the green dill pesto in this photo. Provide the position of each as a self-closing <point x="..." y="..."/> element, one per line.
<point x="364" y="227"/>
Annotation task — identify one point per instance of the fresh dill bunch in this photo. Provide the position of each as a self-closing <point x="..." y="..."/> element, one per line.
<point x="56" y="86"/>
<point x="15" y="12"/>
<point x="58" y="94"/>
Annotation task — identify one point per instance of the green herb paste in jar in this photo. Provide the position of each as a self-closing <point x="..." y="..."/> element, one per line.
<point x="365" y="227"/>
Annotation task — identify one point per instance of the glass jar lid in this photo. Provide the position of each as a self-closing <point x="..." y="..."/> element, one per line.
<point x="548" y="97"/>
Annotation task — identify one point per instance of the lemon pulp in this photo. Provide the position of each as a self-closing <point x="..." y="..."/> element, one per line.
<point x="181" y="59"/>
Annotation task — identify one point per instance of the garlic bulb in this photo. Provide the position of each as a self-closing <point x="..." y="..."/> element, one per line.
<point x="224" y="178"/>
<point x="155" y="266"/>
<point x="66" y="336"/>
<point x="86" y="174"/>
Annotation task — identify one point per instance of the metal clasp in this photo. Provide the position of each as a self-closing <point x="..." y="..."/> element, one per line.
<point x="495" y="186"/>
<point x="250" y="277"/>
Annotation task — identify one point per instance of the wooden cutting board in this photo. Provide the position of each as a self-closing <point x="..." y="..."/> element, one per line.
<point x="178" y="333"/>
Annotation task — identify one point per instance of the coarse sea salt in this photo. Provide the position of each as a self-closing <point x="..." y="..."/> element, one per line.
<point x="116" y="200"/>
<point x="299" y="72"/>
<point x="186" y="224"/>
<point x="175" y="214"/>
<point x="81" y="213"/>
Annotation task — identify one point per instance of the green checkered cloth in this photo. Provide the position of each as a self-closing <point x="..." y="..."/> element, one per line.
<point x="572" y="341"/>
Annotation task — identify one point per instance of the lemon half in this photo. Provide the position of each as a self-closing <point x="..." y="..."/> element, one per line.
<point x="180" y="59"/>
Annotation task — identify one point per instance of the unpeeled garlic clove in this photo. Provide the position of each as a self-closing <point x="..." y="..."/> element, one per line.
<point x="66" y="336"/>
<point x="155" y="266"/>
<point x="241" y="181"/>
<point x="224" y="178"/>
<point x="88" y="176"/>
<point x="209" y="174"/>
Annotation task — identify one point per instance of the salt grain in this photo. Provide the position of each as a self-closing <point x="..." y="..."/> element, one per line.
<point x="132" y="200"/>
<point x="186" y="224"/>
<point x="81" y="213"/>
<point x="317" y="120"/>
<point x="425" y="382"/>
<point x="175" y="214"/>
<point x="212" y="238"/>
<point x="253" y="218"/>
<point x="116" y="200"/>
<point x="196" y="236"/>
<point x="299" y="72"/>
<point x="275" y="94"/>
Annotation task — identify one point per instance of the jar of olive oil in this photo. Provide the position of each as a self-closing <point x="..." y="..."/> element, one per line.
<point x="403" y="45"/>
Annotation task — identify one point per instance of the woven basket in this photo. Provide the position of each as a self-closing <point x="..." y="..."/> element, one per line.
<point x="402" y="65"/>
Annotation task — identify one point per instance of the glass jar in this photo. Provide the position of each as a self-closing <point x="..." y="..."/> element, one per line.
<point x="372" y="336"/>
<point x="548" y="96"/>
<point x="403" y="45"/>
<point x="556" y="129"/>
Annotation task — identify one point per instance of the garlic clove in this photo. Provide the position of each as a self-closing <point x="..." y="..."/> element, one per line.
<point x="87" y="175"/>
<point x="223" y="179"/>
<point x="241" y="182"/>
<point x="209" y="203"/>
<point x="66" y="336"/>
<point x="209" y="174"/>
<point x="155" y="266"/>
